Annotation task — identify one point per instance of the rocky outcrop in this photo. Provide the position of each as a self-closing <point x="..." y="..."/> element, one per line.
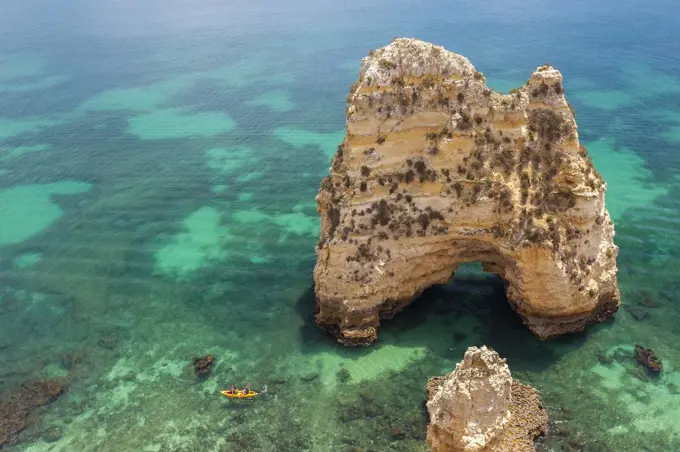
<point x="478" y="407"/>
<point x="18" y="405"/>
<point x="437" y="170"/>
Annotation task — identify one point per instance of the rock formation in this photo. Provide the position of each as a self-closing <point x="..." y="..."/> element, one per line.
<point x="478" y="407"/>
<point x="17" y="405"/>
<point x="437" y="170"/>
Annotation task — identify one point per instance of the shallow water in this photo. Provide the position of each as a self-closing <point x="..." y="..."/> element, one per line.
<point x="158" y="167"/>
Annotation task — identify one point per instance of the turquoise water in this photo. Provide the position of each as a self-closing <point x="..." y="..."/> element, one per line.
<point x="158" y="167"/>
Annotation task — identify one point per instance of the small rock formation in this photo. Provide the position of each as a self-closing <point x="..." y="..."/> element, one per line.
<point x="437" y="170"/>
<point x="478" y="407"/>
<point x="647" y="359"/>
<point x="17" y="405"/>
<point x="203" y="365"/>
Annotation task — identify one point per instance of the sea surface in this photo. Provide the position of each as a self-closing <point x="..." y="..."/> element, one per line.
<point x="158" y="167"/>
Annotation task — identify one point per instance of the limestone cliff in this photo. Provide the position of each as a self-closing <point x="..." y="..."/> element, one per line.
<point x="436" y="170"/>
<point x="478" y="407"/>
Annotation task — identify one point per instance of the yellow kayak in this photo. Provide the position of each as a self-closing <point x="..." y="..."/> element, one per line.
<point x="238" y="394"/>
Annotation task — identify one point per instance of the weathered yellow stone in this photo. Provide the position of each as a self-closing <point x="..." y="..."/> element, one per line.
<point x="438" y="170"/>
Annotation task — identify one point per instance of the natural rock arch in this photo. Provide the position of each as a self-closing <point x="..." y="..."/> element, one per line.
<point x="436" y="170"/>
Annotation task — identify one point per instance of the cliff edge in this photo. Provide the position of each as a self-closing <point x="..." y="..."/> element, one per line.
<point x="437" y="170"/>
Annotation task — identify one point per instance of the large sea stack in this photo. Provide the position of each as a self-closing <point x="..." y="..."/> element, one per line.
<point x="436" y="169"/>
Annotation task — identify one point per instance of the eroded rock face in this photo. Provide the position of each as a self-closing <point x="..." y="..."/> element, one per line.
<point x="437" y="170"/>
<point x="471" y="407"/>
<point x="478" y="407"/>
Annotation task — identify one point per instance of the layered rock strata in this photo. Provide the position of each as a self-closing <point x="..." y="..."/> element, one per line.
<point x="479" y="408"/>
<point x="435" y="170"/>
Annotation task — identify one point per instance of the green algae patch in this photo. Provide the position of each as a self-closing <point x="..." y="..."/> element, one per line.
<point x="202" y="242"/>
<point x="275" y="100"/>
<point x="628" y="181"/>
<point x="27" y="210"/>
<point x="176" y="123"/>
<point x="299" y="138"/>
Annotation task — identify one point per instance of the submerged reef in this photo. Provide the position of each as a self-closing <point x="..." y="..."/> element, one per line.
<point x="479" y="407"/>
<point x="647" y="359"/>
<point x="17" y="405"/>
<point x="436" y="170"/>
<point x="203" y="365"/>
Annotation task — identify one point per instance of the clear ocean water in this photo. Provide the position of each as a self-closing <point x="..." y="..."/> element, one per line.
<point x="158" y="167"/>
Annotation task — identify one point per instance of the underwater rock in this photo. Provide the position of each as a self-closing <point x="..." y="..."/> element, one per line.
<point x="312" y="376"/>
<point x="18" y="404"/>
<point x="647" y="302"/>
<point x="51" y="435"/>
<point x="478" y="407"/>
<point x="397" y="433"/>
<point x="108" y="341"/>
<point x="667" y="295"/>
<point x="367" y="397"/>
<point x="604" y="359"/>
<point x="437" y="170"/>
<point x="638" y="312"/>
<point x="344" y="375"/>
<point x="278" y="380"/>
<point x="71" y="360"/>
<point x="203" y="365"/>
<point x="647" y="359"/>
